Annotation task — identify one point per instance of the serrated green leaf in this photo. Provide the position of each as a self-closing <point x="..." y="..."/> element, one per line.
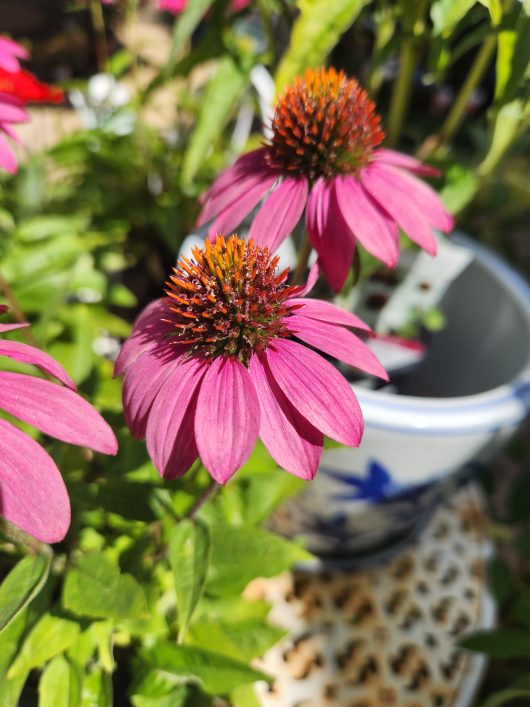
<point x="223" y="91"/>
<point x="189" y="556"/>
<point x="217" y="674"/>
<point x="316" y="31"/>
<point x="50" y="636"/>
<point x="60" y="684"/>
<point x="240" y="554"/>
<point x="22" y="585"/>
<point x="95" y="587"/>
<point x="503" y="643"/>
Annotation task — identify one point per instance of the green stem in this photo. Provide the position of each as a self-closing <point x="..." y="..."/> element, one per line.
<point x="17" y="310"/>
<point x="212" y="488"/>
<point x="457" y="112"/>
<point x="98" y="23"/>
<point x="20" y="538"/>
<point x="303" y="259"/>
<point x="402" y="89"/>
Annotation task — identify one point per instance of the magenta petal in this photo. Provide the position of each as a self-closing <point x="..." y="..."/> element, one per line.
<point x="29" y="354"/>
<point x="400" y="159"/>
<point x="229" y="219"/>
<point x="170" y="431"/>
<point x="329" y="234"/>
<point x="227" y="418"/>
<point x="371" y="226"/>
<point x="425" y="199"/>
<point x="142" y="383"/>
<point x="12" y="109"/>
<point x="324" y="311"/>
<point x="32" y="492"/>
<point x="312" y="277"/>
<point x="317" y="389"/>
<point x="336" y="341"/>
<point x="249" y="163"/>
<point x="279" y="213"/>
<point x="56" y="411"/>
<point x="243" y="183"/>
<point x="149" y="330"/>
<point x="11" y="327"/>
<point x="291" y="440"/>
<point x="403" y="210"/>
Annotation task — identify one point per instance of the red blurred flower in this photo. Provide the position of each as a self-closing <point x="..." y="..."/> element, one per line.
<point x="27" y="88"/>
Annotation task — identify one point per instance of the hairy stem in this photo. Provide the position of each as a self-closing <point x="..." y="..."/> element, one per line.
<point x="212" y="488"/>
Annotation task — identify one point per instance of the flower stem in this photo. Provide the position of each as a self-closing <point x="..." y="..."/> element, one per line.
<point x="457" y="112"/>
<point x="17" y="310"/>
<point x="98" y="23"/>
<point x="303" y="259"/>
<point x="212" y="488"/>
<point x="402" y="89"/>
<point x="20" y="538"/>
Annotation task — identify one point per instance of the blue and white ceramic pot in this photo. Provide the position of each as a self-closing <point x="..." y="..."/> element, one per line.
<point x="449" y="416"/>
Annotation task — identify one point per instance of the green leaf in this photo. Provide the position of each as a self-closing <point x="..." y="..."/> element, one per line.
<point x="9" y="644"/>
<point x="316" y="31"/>
<point x="129" y="499"/>
<point x="189" y="556"/>
<point x="182" y="696"/>
<point x="504" y="643"/>
<point x="446" y="14"/>
<point x="222" y="93"/>
<point x="506" y="697"/>
<point x="50" y="636"/>
<point x="242" y="640"/>
<point x="60" y="684"/>
<point x="244" y="696"/>
<point x="513" y="60"/>
<point x="97" y="690"/>
<point x="95" y="587"/>
<point x="460" y="188"/>
<point x="506" y="125"/>
<point x="104" y="636"/>
<point x="22" y="585"/>
<point x="186" y="24"/>
<point x="38" y="228"/>
<point x="216" y="673"/>
<point x="240" y="554"/>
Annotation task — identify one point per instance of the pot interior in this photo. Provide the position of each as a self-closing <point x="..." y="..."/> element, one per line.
<point x="485" y="344"/>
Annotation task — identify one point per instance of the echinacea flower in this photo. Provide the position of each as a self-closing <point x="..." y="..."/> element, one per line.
<point x="226" y="357"/>
<point x="12" y="109"/>
<point x="324" y="156"/>
<point x="32" y="492"/>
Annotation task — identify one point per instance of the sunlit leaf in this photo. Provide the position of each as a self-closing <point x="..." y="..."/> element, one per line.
<point x="22" y="585"/>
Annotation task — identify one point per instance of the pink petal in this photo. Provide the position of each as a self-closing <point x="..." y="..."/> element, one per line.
<point x="11" y="327"/>
<point x="324" y="311"/>
<point x="229" y="219"/>
<point x="32" y="492"/>
<point x="227" y="418"/>
<point x="370" y="224"/>
<point x="329" y="234"/>
<point x="336" y="341"/>
<point x="279" y="213"/>
<point x="30" y="354"/>
<point x="8" y="161"/>
<point x="12" y="109"/>
<point x="400" y="159"/>
<point x="56" y="411"/>
<point x="238" y="187"/>
<point x="312" y="277"/>
<point x="249" y="163"/>
<point x="317" y="389"/>
<point x="12" y="48"/>
<point x="291" y="440"/>
<point x="403" y="210"/>
<point x="170" y="431"/>
<point x="142" y="383"/>
<point x="149" y="330"/>
<point x="425" y="199"/>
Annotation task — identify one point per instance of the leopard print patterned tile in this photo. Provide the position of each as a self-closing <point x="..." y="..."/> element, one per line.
<point x="385" y="636"/>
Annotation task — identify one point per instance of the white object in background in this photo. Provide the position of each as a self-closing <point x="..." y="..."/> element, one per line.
<point x="100" y="106"/>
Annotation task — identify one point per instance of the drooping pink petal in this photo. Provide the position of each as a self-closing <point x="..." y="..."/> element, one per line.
<point x="250" y="163"/>
<point x="424" y="198"/>
<point x="370" y="224"/>
<point x="291" y="440"/>
<point x="279" y="213"/>
<point x="324" y="311"/>
<point x="329" y="234"/>
<point x="8" y="161"/>
<point x="142" y="383"/>
<point x="56" y="411"/>
<point x="234" y="191"/>
<point x="317" y="389"/>
<point x="336" y="341"/>
<point x="400" y="159"/>
<point x="402" y="210"/>
<point x="312" y="277"/>
<point x="11" y="327"/>
<point x="170" y="433"/>
<point x="229" y="219"/>
<point x="12" y="109"/>
<point x="29" y="354"/>
<point x="227" y="418"/>
<point x="10" y="53"/>
<point x="148" y="330"/>
<point x="32" y="492"/>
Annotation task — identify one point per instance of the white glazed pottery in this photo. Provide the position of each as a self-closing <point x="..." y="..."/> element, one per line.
<point x="450" y="415"/>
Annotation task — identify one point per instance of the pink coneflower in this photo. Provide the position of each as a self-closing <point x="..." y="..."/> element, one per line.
<point x="324" y="156"/>
<point x="224" y="359"/>
<point x="32" y="492"/>
<point x="176" y="7"/>
<point x="12" y="109"/>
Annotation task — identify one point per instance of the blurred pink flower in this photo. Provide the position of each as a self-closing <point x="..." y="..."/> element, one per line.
<point x="32" y="492"/>
<point x="11" y="108"/>
<point x="10" y="53"/>
<point x="228" y="356"/>
<point x="178" y="6"/>
<point x="324" y="157"/>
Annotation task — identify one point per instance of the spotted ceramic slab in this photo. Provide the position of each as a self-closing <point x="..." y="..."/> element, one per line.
<point x="384" y="636"/>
